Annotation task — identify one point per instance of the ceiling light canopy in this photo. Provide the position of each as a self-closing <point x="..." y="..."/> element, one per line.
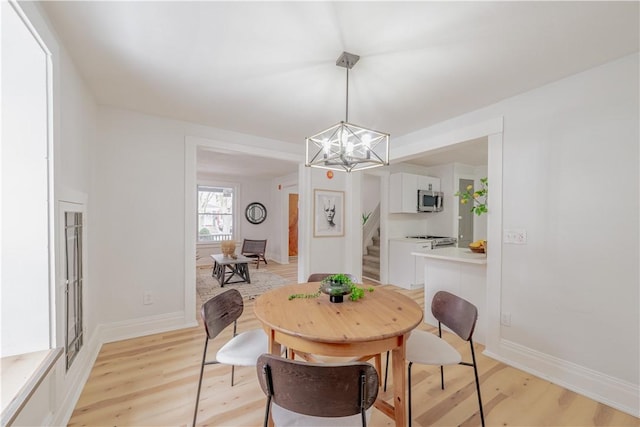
<point x="345" y="146"/>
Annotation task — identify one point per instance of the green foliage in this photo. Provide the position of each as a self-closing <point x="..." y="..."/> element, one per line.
<point x="365" y="217"/>
<point x="204" y="231"/>
<point x="356" y="291"/>
<point x="302" y="296"/>
<point x="477" y="198"/>
<point x="343" y="279"/>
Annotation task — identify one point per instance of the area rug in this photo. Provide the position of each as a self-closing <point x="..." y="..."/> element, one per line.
<point x="261" y="281"/>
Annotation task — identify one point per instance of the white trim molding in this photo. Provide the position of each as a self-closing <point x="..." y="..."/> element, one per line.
<point x="618" y="394"/>
<point x="144" y="326"/>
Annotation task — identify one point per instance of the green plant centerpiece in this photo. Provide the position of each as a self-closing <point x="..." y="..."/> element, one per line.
<point x="337" y="286"/>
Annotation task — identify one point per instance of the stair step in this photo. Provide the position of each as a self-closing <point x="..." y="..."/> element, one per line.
<point x="371" y="260"/>
<point x="373" y="250"/>
<point x="370" y="272"/>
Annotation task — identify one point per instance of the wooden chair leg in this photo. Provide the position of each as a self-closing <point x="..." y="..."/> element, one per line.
<point x="409" y="386"/>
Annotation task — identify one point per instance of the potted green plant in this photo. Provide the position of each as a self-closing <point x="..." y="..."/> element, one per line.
<point x="337" y="286"/>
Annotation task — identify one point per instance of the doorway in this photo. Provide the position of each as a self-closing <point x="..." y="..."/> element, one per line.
<point x="293" y="224"/>
<point x="465" y="217"/>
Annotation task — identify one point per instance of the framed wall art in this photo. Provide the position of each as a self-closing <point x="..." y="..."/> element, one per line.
<point x="328" y="213"/>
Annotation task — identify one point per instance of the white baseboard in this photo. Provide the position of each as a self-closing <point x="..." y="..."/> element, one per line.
<point x="614" y="392"/>
<point x="82" y="368"/>
<point x="145" y="326"/>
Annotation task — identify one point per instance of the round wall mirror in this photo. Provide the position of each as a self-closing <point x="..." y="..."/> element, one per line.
<point x="255" y="213"/>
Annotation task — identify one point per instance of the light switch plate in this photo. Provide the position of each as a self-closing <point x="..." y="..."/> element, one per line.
<point x="515" y="236"/>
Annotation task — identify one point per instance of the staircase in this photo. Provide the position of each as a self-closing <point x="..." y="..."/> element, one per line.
<point x="371" y="261"/>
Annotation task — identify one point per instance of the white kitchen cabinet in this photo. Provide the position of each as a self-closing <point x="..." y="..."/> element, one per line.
<point x="403" y="191"/>
<point x="428" y="183"/>
<point x="458" y="271"/>
<point x="406" y="270"/>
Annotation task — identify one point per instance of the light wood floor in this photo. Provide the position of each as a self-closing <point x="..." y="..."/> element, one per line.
<point x="152" y="381"/>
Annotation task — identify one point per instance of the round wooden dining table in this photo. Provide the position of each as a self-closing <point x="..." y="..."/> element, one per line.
<point x="380" y="321"/>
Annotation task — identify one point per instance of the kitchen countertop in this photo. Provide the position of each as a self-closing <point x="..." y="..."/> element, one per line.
<point x="451" y="253"/>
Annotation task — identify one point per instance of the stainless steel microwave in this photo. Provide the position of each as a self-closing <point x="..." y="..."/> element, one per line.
<point x="429" y="201"/>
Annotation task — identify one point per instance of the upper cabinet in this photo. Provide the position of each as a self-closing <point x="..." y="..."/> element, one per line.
<point x="403" y="191"/>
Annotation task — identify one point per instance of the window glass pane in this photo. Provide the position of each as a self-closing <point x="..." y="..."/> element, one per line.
<point x="215" y="213"/>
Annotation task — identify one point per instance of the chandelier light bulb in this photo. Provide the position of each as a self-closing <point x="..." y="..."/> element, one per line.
<point x="326" y="146"/>
<point x="349" y="148"/>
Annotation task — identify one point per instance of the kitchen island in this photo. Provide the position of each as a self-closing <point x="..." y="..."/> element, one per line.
<point x="461" y="272"/>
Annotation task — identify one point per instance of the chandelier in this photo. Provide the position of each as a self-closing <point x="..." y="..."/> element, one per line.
<point x="345" y="146"/>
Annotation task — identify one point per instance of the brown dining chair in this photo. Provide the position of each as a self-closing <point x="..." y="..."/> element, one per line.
<point x="316" y="394"/>
<point x="242" y="349"/>
<point x="254" y="249"/>
<point x="425" y="348"/>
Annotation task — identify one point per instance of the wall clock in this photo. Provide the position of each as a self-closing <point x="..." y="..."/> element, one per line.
<point x="255" y="213"/>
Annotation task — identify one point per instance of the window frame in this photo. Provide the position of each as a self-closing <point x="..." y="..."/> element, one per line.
<point x="235" y="220"/>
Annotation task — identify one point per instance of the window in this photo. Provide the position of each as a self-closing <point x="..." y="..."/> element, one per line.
<point x="215" y="213"/>
<point x="74" y="336"/>
<point x="24" y="257"/>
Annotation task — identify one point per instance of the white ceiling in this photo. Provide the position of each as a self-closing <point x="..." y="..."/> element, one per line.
<point x="268" y="68"/>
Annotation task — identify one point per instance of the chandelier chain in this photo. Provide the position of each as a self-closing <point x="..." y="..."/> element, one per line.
<point x="346" y="108"/>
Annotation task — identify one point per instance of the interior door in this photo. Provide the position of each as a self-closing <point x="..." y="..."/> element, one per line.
<point x="465" y="217"/>
<point x="293" y="224"/>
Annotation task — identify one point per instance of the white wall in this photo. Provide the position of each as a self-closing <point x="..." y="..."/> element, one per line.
<point x="138" y="211"/>
<point x="572" y="290"/>
<point x="370" y="197"/>
<point x="143" y="203"/>
<point x="327" y="254"/>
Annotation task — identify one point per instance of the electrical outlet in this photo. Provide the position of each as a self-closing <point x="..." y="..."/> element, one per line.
<point x="147" y="298"/>
<point x="505" y="319"/>
<point x="515" y="236"/>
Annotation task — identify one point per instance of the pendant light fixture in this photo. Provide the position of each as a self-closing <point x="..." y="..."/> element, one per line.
<point x="345" y="146"/>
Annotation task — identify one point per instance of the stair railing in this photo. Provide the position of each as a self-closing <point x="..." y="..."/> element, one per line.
<point x="370" y="228"/>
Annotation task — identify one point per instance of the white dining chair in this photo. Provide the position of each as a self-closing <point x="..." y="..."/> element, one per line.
<point x="425" y="348"/>
<point x="242" y="349"/>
